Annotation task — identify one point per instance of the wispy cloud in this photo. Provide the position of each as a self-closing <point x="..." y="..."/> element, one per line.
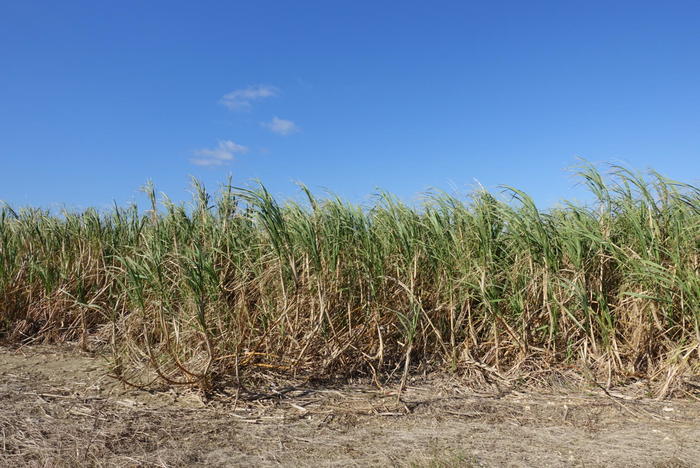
<point x="240" y="99"/>
<point x="281" y="126"/>
<point x="222" y="154"/>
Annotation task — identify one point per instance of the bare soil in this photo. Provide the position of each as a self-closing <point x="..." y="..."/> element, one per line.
<point x="57" y="408"/>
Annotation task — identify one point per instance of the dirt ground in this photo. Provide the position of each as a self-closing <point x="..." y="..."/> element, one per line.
<point x="57" y="408"/>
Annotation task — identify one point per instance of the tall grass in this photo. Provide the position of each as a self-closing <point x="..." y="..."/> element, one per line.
<point x="238" y="284"/>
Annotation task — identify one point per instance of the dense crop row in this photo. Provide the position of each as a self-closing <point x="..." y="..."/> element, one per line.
<point x="199" y="293"/>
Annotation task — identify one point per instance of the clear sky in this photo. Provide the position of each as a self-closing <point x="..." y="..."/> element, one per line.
<point x="96" y="97"/>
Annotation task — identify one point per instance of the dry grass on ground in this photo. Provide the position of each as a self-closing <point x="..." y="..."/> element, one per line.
<point x="58" y="409"/>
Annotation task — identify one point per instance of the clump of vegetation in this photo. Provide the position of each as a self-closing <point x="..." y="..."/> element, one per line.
<point x="225" y="286"/>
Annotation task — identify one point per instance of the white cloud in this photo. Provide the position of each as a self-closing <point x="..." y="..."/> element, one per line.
<point x="241" y="99"/>
<point x="206" y="162"/>
<point x="281" y="126"/>
<point x="222" y="154"/>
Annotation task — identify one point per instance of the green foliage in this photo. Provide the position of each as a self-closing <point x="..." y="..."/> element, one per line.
<point x="239" y="282"/>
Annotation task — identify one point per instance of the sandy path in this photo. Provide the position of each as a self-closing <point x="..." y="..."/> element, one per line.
<point x="57" y="409"/>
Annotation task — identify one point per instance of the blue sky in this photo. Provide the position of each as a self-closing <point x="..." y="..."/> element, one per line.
<point x="98" y="97"/>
